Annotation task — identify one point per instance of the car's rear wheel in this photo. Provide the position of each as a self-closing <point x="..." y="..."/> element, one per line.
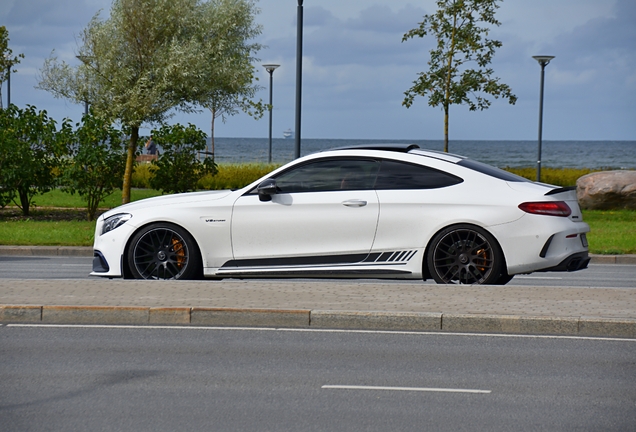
<point x="465" y="254"/>
<point x="164" y="251"/>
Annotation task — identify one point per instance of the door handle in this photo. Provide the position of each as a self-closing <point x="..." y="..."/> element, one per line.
<point x="354" y="203"/>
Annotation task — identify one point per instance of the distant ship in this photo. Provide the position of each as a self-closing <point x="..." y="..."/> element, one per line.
<point x="288" y="133"/>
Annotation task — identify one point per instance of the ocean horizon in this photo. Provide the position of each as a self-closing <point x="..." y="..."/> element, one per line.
<point x="610" y="154"/>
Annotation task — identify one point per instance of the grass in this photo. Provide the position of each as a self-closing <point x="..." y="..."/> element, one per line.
<point x="613" y="232"/>
<point x="58" y="198"/>
<point x="47" y="233"/>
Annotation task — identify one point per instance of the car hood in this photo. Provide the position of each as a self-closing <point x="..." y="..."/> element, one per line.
<point x="169" y="200"/>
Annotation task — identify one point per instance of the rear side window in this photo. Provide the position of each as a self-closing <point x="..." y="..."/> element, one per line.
<point x="401" y="175"/>
<point x="491" y="171"/>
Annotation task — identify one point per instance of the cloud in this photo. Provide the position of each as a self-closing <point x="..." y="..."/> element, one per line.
<point x="374" y="37"/>
<point x="50" y="13"/>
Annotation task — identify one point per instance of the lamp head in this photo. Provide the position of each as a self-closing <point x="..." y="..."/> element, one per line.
<point x="270" y="67"/>
<point x="543" y="60"/>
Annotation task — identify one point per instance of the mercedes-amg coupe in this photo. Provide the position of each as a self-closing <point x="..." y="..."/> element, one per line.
<point x="376" y="211"/>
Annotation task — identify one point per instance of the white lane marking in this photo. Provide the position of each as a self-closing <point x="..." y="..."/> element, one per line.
<point x="538" y="277"/>
<point x="415" y="389"/>
<point x="306" y="330"/>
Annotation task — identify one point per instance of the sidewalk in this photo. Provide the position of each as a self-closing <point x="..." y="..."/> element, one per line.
<point x="322" y="304"/>
<point x="371" y="305"/>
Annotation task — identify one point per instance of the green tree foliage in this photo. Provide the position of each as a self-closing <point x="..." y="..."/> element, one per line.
<point x="151" y="56"/>
<point x="232" y="86"/>
<point x="97" y="162"/>
<point x="30" y="150"/>
<point x="178" y="168"/>
<point x="7" y="60"/>
<point x="461" y="42"/>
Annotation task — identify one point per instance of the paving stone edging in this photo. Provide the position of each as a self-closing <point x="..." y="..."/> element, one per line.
<point x="321" y="319"/>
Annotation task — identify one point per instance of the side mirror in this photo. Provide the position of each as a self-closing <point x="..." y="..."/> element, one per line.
<point x="266" y="189"/>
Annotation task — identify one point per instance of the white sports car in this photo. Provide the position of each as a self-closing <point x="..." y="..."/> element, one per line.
<point x="375" y="211"/>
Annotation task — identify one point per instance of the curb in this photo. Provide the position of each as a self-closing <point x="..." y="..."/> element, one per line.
<point x="322" y="319"/>
<point x="77" y="251"/>
<point x="87" y="251"/>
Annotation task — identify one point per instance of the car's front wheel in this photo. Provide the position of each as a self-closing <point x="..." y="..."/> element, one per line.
<point x="465" y="254"/>
<point x="164" y="251"/>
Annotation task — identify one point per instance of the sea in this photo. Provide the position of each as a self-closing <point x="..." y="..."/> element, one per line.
<point x="554" y="154"/>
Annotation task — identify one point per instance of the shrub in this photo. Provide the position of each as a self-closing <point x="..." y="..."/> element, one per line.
<point x="30" y="150"/>
<point x="235" y="176"/>
<point x="556" y="176"/>
<point x="178" y="169"/>
<point x="97" y="162"/>
<point x="142" y="175"/>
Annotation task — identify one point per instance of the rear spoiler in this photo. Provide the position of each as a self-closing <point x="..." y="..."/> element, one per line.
<point x="560" y="190"/>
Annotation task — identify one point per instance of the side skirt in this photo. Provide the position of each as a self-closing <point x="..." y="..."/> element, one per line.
<point x="314" y="273"/>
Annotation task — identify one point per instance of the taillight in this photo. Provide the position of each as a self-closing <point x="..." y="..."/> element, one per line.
<point x="549" y="208"/>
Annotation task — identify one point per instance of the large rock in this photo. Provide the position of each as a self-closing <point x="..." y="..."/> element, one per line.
<point x="607" y="190"/>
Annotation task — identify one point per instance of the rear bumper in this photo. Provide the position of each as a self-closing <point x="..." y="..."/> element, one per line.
<point x="574" y="262"/>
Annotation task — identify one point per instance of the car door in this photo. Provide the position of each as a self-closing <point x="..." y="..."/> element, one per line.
<point x="413" y="198"/>
<point x="324" y="212"/>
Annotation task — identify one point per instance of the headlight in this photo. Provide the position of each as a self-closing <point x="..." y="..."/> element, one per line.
<point x="114" y="221"/>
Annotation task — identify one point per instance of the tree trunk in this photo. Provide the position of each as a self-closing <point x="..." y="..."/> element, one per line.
<point x="130" y="164"/>
<point x="446" y="107"/>
<point x="24" y="202"/>
<point x="212" y="134"/>
<point x="447" y="85"/>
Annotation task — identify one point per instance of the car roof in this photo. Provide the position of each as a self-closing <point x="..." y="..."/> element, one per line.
<point x="414" y="149"/>
<point x="404" y="148"/>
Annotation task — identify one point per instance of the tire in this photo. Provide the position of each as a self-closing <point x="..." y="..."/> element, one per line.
<point x="164" y="251"/>
<point x="466" y="254"/>
<point x="503" y="279"/>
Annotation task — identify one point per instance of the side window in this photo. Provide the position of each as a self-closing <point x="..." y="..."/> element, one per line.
<point x="329" y="175"/>
<point x="400" y="175"/>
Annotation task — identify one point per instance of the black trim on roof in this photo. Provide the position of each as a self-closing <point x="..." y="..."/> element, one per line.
<point x="400" y="148"/>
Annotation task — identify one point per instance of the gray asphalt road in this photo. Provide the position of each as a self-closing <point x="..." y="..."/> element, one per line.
<point x="597" y="275"/>
<point x="145" y="379"/>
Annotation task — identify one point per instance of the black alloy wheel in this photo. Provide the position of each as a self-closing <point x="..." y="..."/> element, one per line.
<point x="466" y="254"/>
<point x="164" y="251"/>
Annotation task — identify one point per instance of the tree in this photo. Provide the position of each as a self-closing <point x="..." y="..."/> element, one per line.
<point x="223" y="103"/>
<point x="6" y="60"/>
<point x="177" y="169"/>
<point x="149" y="57"/>
<point x="460" y="40"/>
<point x="31" y="151"/>
<point x="231" y="84"/>
<point x="97" y="162"/>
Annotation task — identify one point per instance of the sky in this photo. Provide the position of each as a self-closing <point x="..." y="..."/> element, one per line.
<point x="356" y="69"/>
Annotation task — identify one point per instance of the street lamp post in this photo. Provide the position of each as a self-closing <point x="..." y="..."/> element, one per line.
<point x="299" y="75"/>
<point x="543" y="60"/>
<point x="270" y="68"/>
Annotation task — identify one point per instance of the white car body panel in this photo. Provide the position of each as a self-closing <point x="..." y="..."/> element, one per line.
<point x="300" y="224"/>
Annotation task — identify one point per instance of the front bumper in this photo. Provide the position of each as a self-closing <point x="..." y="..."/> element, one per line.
<point x="108" y="249"/>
